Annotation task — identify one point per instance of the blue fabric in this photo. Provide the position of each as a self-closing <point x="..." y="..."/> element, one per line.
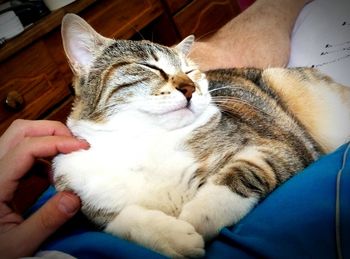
<point x="296" y="221"/>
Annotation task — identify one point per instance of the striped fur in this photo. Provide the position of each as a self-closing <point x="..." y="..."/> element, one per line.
<point x="177" y="154"/>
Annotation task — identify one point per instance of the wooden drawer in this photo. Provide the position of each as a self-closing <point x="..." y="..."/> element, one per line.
<point x="176" y="5"/>
<point x="204" y="17"/>
<point x="122" y="19"/>
<point x="34" y="76"/>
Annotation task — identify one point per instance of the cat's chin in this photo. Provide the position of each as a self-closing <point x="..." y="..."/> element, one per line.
<point x="175" y="119"/>
<point x="190" y="114"/>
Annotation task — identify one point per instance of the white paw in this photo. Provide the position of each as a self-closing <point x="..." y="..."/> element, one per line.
<point x="178" y="238"/>
<point x="158" y="231"/>
<point x="202" y="219"/>
<point x="213" y="208"/>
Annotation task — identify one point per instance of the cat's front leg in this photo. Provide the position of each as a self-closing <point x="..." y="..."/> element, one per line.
<point x="214" y="207"/>
<point x="158" y="231"/>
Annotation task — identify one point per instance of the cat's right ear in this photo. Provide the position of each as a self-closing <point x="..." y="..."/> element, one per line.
<point x="81" y="43"/>
<point x="185" y="45"/>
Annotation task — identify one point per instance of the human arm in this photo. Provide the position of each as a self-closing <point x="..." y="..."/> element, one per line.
<point x="258" y="37"/>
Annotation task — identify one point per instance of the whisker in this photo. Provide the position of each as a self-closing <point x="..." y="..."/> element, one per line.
<point x="227" y="87"/>
<point x="206" y="34"/>
<point x="134" y="29"/>
<point x="220" y="88"/>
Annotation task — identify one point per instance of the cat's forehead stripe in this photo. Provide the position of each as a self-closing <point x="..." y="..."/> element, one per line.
<point x="105" y="75"/>
<point x="154" y="55"/>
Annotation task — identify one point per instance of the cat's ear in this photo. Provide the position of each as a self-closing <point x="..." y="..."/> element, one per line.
<point x="80" y="42"/>
<point x="185" y="45"/>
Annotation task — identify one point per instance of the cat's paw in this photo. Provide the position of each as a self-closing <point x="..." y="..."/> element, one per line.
<point x="179" y="239"/>
<point x="199" y="217"/>
<point x="158" y="231"/>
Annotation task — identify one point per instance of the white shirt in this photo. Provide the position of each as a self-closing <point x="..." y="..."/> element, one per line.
<point x="321" y="38"/>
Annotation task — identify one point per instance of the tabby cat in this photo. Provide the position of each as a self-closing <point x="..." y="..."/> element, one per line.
<point x="177" y="154"/>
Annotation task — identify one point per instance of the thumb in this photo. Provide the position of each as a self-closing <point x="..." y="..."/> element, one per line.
<point x="53" y="214"/>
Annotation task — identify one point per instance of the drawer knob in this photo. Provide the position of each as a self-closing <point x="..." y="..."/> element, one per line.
<point x="14" y="101"/>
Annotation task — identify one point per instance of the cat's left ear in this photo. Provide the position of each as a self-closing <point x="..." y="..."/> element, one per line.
<point x="185" y="45"/>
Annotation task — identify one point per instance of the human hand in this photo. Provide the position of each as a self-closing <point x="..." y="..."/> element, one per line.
<point x="20" y="146"/>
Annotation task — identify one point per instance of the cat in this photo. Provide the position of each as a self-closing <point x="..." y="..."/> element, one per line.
<point x="177" y="154"/>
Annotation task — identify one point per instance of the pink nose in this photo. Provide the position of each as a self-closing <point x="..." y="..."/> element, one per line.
<point x="187" y="90"/>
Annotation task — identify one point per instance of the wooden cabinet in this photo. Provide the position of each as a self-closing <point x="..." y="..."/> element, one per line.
<point x="34" y="75"/>
<point x="31" y="77"/>
<point x="202" y="18"/>
<point x="175" y="5"/>
<point x="120" y="18"/>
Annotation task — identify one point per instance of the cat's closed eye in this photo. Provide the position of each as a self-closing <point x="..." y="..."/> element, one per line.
<point x="190" y="71"/>
<point x="153" y="67"/>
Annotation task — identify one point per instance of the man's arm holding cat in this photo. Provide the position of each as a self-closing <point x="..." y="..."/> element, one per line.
<point x="22" y="143"/>
<point x="258" y="37"/>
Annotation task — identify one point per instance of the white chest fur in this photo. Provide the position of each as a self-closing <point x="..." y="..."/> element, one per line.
<point x="150" y="167"/>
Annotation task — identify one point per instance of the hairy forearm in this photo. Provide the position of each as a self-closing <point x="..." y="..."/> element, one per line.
<point x="281" y="13"/>
<point x="258" y="37"/>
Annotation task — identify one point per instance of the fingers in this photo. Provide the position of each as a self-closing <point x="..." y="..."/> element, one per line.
<point x="36" y="229"/>
<point x="17" y="162"/>
<point x="21" y="129"/>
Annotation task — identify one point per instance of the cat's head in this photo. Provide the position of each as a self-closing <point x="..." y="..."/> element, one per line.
<point x="121" y="78"/>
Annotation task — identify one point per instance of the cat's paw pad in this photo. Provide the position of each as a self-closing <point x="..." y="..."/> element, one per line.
<point x="181" y="240"/>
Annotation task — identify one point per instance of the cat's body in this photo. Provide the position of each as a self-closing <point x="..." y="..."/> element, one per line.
<point x="176" y="155"/>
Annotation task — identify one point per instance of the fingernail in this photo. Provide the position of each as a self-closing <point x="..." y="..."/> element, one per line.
<point x="69" y="204"/>
<point x="86" y="144"/>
